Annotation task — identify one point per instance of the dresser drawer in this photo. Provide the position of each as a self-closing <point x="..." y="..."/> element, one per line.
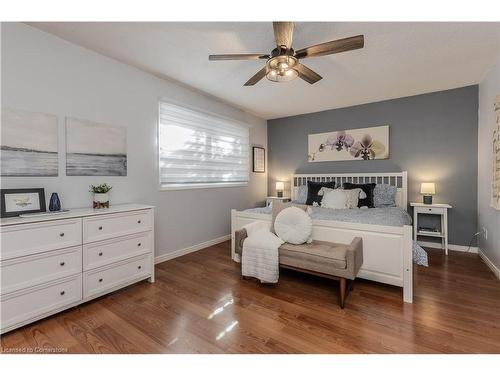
<point x="98" y="254"/>
<point x="109" y="277"/>
<point x="431" y="210"/>
<point x="108" y="226"/>
<point x="36" y="269"/>
<point x="30" y="303"/>
<point x="27" y="239"/>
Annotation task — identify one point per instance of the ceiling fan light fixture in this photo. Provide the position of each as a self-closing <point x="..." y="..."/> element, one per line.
<point x="282" y="63"/>
<point x="281" y="68"/>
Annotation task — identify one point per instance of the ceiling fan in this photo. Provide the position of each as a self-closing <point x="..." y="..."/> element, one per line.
<point x="283" y="64"/>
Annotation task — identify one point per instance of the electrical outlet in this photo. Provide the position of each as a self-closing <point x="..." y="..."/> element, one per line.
<point x="485" y="233"/>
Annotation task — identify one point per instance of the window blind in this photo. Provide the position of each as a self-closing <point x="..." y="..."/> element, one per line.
<point x="198" y="148"/>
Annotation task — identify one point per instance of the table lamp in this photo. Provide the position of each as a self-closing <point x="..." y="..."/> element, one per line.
<point x="428" y="189"/>
<point x="280" y="186"/>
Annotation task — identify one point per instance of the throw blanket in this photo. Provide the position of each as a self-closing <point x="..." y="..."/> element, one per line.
<point x="260" y="256"/>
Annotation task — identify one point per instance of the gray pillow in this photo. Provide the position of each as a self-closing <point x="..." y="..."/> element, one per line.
<point x="384" y="195"/>
<point x="301" y="197"/>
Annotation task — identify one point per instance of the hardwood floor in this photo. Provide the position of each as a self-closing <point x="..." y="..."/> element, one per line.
<point x="199" y="304"/>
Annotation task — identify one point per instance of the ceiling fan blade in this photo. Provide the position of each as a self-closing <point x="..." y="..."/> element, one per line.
<point x="307" y="74"/>
<point x="335" y="46"/>
<point x="256" y="78"/>
<point x="283" y="33"/>
<point x="242" y="56"/>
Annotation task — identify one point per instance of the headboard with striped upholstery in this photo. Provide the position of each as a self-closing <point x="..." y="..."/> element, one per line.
<point x="398" y="179"/>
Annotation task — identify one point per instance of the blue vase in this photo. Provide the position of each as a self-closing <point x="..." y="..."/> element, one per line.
<point x="55" y="203"/>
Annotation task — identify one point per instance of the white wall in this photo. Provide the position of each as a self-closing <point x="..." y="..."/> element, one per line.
<point x="488" y="217"/>
<point x="43" y="73"/>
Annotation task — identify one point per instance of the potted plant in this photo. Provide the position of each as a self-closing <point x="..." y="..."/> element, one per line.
<point x="101" y="196"/>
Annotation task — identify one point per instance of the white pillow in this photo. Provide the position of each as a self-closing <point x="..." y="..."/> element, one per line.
<point x="353" y="197"/>
<point x="294" y="226"/>
<point x="334" y="198"/>
<point x="340" y="199"/>
<point x="324" y="190"/>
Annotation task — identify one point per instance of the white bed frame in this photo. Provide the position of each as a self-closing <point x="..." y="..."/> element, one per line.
<point x="387" y="250"/>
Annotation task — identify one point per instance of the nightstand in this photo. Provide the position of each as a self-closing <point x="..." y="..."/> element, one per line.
<point x="440" y="209"/>
<point x="277" y="199"/>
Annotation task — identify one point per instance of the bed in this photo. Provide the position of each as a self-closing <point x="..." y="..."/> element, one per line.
<point x="386" y="233"/>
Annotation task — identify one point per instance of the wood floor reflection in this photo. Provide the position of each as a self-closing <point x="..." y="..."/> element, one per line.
<point x="199" y="304"/>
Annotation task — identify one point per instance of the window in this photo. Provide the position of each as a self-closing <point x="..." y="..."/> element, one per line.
<point x="198" y="149"/>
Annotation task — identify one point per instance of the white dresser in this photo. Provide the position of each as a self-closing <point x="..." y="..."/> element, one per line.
<point x="51" y="263"/>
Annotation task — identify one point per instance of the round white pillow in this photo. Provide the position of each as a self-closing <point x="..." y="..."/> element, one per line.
<point x="293" y="225"/>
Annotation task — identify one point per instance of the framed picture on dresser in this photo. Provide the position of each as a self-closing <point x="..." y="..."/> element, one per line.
<point x="22" y="201"/>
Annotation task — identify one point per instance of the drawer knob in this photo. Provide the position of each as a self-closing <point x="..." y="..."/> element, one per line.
<point x="62" y="293"/>
<point x="100" y="228"/>
<point x="430" y="209"/>
<point x="100" y="280"/>
<point x="62" y="264"/>
<point x="139" y="244"/>
<point x="138" y="221"/>
<point x="139" y="267"/>
<point x="61" y="234"/>
<point x="100" y="253"/>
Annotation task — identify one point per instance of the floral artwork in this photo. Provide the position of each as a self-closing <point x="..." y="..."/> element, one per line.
<point x="355" y="144"/>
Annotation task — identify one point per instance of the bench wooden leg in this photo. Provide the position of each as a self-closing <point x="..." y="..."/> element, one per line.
<point x="342" y="292"/>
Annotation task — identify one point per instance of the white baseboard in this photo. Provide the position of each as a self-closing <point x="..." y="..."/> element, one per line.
<point x="190" y="249"/>
<point x="437" y="245"/>
<point x="489" y="263"/>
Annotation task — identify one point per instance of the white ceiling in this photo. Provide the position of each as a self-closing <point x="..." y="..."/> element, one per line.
<point x="399" y="59"/>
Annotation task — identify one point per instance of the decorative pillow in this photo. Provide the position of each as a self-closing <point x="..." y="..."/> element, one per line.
<point x="293" y="225"/>
<point x="301" y="197"/>
<point x="367" y="188"/>
<point x="335" y="198"/>
<point x="353" y="197"/>
<point x="342" y="199"/>
<point x="280" y="206"/>
<point x="384" y="195"/>
<point x="323" y="191"/>
<point x="313" y="188"/>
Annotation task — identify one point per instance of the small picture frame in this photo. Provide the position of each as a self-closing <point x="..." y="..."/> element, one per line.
<point x="259" y="159"/>
<point x="15" y="202"/>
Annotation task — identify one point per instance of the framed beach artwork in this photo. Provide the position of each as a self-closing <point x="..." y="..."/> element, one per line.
<point x="94" y="149"/>
<point x="355" y="144"/>
<point x="28" y="144"/>
<point x="21" y="201"/>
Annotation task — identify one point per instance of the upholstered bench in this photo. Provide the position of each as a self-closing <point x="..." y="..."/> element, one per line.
<point x="327" y="259"/>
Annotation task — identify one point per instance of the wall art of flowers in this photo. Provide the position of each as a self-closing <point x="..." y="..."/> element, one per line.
<point x="355" y="144"/>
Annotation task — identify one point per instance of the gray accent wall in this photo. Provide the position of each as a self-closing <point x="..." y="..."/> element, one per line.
<point x="432" y="136"/>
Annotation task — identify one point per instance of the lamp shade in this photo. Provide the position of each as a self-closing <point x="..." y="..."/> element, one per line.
<point x="428" y="188"/>
<point x="280" y="185"/>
